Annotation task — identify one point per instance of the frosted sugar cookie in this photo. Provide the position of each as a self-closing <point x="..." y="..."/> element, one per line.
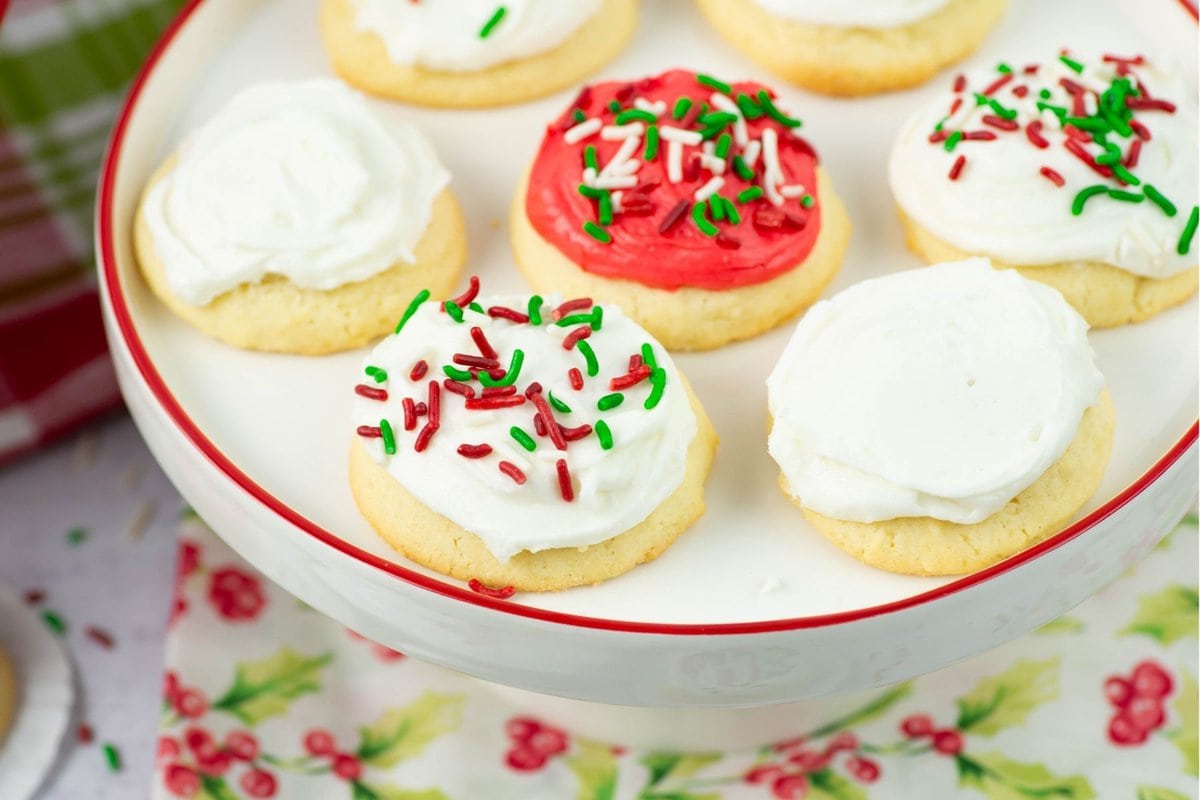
<point x="465" y="53"/>
<point x="295" y="220"/>
<point x="854" y="47"/>
<point x="939" y="420"/>
<point x="694" y="204"/>
<point x="1080" y="172"/>
<point x="527" y="442"/>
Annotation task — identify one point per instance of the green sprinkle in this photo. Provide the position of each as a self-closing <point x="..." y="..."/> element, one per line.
<point x="54" y="622"/>
<point x="1003" y="69"/>
<point x="706" y="227"/>
<point x="589" y="157"/>
<point x="603" y="434"/>
<point x="478" y="309"/>
<point x="376" y="374"/>
<point x="749" y="108"/>
<point x="723" y="145"/>
<point x="713" y="83"/>
<point x="76" y="536"/>
<point x="510" y="375"/>
<point x="681" y="107"/>
<point x="774" y="113"/>
<point x="1189" y="232"/>
<point x="1045" y="94"/>
<point x="1084" y="195"/>
<point x="658" y="382"/>
<point x="648" y="356"/>
<point x="112" y="757"/>
<point x="595" y="318"/>
<point x="456" y="374"/>
<point x="635" y="114"/>
<point x="454" y="310"/>
<point x="593" y="366"/>
<point x="742" y="169"/>
<point x="535" y="309"/>
<point x="1058" y="111"/>
<point x="1000" y="109"/>
<point x="492" y="22"/>
<point x="1125" y="175"/>
<point x="1157" y="198"/>
<point x="1072" y="64"/>
<point x="749" y="194"/>
<point x="577" y="116"/>
<point x="591" y="191"/>
<point x="716" y="121"/>
<point x="1087" y="123"/>
<point x="731" y="212"/>
<point x="389" y="436"/>
<point x="559" y="405"/>
<point x="808" y="201"/>
<point x="522" y="438"/>
<point x="610" y="401"/>
<point x="952" y="141"/>
<point x="941" y="124"/>
<point x="604" y="213"/>
<point x="614" y="106"/>
<point x="651" y="143"/>
<point x="715" y="207"/>
<point x="421" y="297"/>
<point x="1125" y="197"/>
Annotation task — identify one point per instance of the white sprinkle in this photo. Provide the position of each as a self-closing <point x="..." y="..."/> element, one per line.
<point x="793" y="191"/>
<point x="589" y="179"/>
<point x="619" y="159"/>
<point x="740" y="134"/>
<point x="1050" y="121"/>
<point x="578" y="133"/>
<point x="617" y="205"/>
<point x="1089" y="104"/>
<point x="709" y="189"/>
<point x="656" y="108"/>
<point x="771" y="584"/>
<point x="772" y="172"/>
<point x="629" y="167"/>
<point x="713" y="164"/>
<point x="612" y="133"/>
<point x="674" y="161"/>
<point x="750" y="154"/>
<point x="772" y="193"/>
<point x="616" y="182"/>
<point x="680" y="135"/>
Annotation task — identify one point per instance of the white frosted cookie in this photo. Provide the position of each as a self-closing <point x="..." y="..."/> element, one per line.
<point x="466" y="53"/>
<point x="1081" y="172"/>
<point x="938" y="420"/>
<point x="296" y="220"/>
<point x="527" y="442"/>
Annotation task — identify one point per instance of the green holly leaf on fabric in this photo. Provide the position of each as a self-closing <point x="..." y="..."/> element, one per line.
<point x="998" y="777"/>
<point x="402" y="733"/>
<point x="1184" y="735"/>
<point x="595" y="767"/>
<point x="213" y="787"/>
<point x="870" y="711"/>
<point x="1060" y="625"/>
<point x="374" y="791"/>
<point x="263" y="689"/>
<point x="1159" y="793"/>
<point x="1166" y="616"/>
<point x="826" y="784"/>
<point x="1007" y="699"/>
<point x="676" y="765"/>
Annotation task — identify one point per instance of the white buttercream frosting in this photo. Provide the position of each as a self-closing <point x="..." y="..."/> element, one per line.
<point x="854" y="13"/>
<point x="1002" y="206"/>
<point x="448" y="34"/>
<point x="614" y="489"/>
<point x="295" y="179"/>
<point x="940" y="392"/>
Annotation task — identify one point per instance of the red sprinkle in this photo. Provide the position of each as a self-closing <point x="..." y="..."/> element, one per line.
<point x="369" y="432"/>
<point x="1030" y="69"/>
<point x="1150" y="104"/>
<point x="418" y="371"/>
<point x="960" y="83"/>
<point x="1000" y="122"/>
<point x="459" y="388"/>
<point x="634" y="377"/>
<point x="1135" y="61"/>
<point x="513" y="471"/>
<point x="575" y="434"/>
<point x="957" y="169"/>
<point x="689" y="119"/>
<point x="1135" y="150"/>
<point x="539" y="401"/>
<point x="35" y="596"/>
<point x="421" y="409"/>
<point x="575" y="377"/>
<point x="499" y="391"/>
<point x="410" y="414"/>
<point x="539" y="425"/>
<point x="1034" y="132"/>
<point x="956" y="105"/>
<point x="1054" y="177"/>
<point x="84" y="733"/>
<point x="564" y="308"/>
<point x="638" y="206"/>
<point x="424" y="436"/>
<point x="998" y="84"/>
<point x="674" y="217"/>
<point x="494" y="402"/>
<point x="532" y="389"/>
<point x="500" y="312"/>
<point x="727" y="242"/>
<point x="481" y="341"/>
<point x="635" y="361"/>
<point x="625" y="92"/>
<point x="939" y="136"/>
<point x="564" y="480"/>
<point x="1077" y="150"/>
<point x="435" y="404"/>
<point x="1071" y="86"/>
<point x="1076" y="133"/>
<point x="691" y="171"/>
<point x="370" y="392"/>
<point x="978" y="136"/>
<point x="474" y="450"/>
<point x="1141" y="130"/>
<point x="572" y="338"/>
<point x="99" y="636"/>
<point x="464" y="299"/>
<point x="1020" y="91"/>
<point x="487" y="591"/>
<point x="467" y="360"/>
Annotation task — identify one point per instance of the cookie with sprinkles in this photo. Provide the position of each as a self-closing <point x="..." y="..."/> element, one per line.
<point x="296" y="221"/>
<point x="472" y="53"/>
<point x="854" y="47"/>
<point x="1080" y="172"/>
<point x="530" y="442"/>
<point x="696" y="205"/>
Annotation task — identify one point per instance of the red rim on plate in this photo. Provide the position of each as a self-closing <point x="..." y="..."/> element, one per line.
<point x="162" y="393"/>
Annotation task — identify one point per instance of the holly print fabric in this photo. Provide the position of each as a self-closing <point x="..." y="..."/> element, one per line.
<point x="264" y="697"/>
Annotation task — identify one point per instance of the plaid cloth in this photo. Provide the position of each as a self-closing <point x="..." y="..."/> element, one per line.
<point x="64" y="65"/>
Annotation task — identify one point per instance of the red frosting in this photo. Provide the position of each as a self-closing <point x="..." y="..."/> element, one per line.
<point x="767" y="242"/>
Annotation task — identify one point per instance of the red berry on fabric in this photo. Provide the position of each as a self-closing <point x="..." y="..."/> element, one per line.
<point x="387" y="654"/>
<point x="917" y="725"/>
<point x="521" y="728"/>
<point x="258" y="783"/>
<point x="864" y="769"/>
<point x="949" y="742"/>
<point x="843" y="740"/>
<point x="319" y="742"/>
<point x="1146" y="713"/>
<point x="790" y="744"/>
<point x="1124" y="732"/>
<point x="1118" y="691"/>
<point x="242" y="745"/>
<point x="212" y="761"/>
<point x="197" y="738"/>
<point x="237" y="596"/>
<point x="763" y="773"/>
<point x="179" y="607"/>
<point x="1151" y="680"/>
<point x="170" y="686"/>
<point x="181" y="781"/>
<point x="548" y="741"/>
<point x="810" y="760"/>
<point x="790" y="787"/>
<point x="525" y="759"/>
<point x="188" y="558"/>
<point x="347" y="766"/>
<point x="168" y="750"/>
<point x="190" y="703"/>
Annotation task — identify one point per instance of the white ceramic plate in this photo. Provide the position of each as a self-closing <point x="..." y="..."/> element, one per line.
<point x="275" y="430"/>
